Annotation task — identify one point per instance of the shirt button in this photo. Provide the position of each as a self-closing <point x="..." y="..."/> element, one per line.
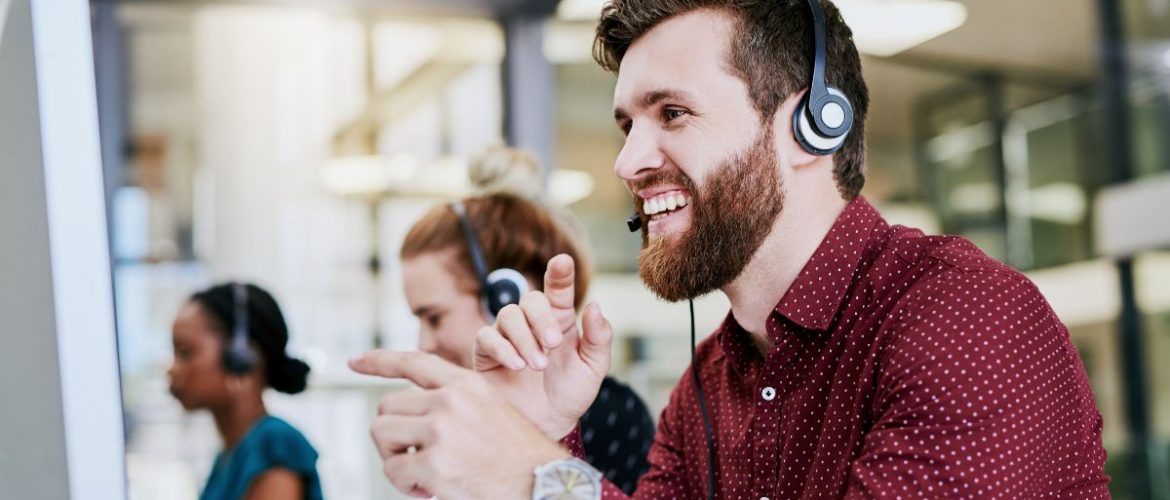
<point x="769" y="393"/>
<point x="763" y="498"/>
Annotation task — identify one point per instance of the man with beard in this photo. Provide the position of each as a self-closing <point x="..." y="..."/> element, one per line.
<point x="858" y="359"/>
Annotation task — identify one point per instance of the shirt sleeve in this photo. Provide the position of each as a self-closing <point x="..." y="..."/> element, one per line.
<point x="979" y="393"/>
<point x="666" y="477"/>
<point x="278" y="445"/>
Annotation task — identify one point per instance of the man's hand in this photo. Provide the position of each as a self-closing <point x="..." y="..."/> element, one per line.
<point x="456" y="438"/>
<point x="541" y="334"/>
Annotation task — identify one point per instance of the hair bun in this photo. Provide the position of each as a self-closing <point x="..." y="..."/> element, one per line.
<point x="288" y="375"/>
<point x="507" y="170"/>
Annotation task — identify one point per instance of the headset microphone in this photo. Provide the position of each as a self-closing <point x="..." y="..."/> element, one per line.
<point x="634" y="222"/>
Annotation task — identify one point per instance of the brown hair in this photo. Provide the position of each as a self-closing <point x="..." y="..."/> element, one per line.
<point x="771" y="50"/>
<point x="511" y="231"/>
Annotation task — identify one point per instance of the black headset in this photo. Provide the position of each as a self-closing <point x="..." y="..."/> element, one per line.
<point x="824" y="116"/>
<point x="499" y="288"/>
<point x="238" y="357"/>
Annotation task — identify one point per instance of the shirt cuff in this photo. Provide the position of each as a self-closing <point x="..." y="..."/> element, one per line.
<point x="572" y="442"/>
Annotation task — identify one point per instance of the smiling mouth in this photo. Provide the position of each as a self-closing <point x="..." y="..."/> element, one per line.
<point x="664" y="204"/>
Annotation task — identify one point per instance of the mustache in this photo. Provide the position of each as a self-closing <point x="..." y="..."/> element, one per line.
<point x="658" y="178"/>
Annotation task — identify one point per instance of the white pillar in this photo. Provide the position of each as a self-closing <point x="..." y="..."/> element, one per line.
<point x="265" y="90"/>
<point x="273" y="84"/>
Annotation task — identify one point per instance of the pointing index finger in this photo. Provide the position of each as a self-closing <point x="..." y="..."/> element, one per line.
<point x="426" y="370"/>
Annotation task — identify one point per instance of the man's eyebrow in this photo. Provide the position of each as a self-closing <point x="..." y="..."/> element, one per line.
<point x="658" y="95"/>
<point x="652" y="97"/>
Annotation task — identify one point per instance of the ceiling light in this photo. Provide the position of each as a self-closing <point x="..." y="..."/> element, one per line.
<point x="579" y="10"/>
<point x="568" y="43"/>
<point x="887" y="27"/>
<point x="1061" y="202"/>
<point x="566" y="187"/>
<point x="880" y="27"/>
<point x="366" y="175"/>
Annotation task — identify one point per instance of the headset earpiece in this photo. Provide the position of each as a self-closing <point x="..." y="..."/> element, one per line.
<point x="505" y="286"/>
<point x="501" y="287"/>
<point x="238" y="357"/>
<point x="824" y="116"/>
<point x="810" y="135"/>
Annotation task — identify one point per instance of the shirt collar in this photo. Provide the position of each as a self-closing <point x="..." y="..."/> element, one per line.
<point x="813" y="299"/>
<point x="815" y="296"/>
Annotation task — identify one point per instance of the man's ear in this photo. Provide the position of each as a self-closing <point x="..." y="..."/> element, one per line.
<point x="785" y="142"/>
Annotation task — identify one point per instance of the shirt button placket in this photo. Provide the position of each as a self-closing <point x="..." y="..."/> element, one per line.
<point x="767" y="440"/>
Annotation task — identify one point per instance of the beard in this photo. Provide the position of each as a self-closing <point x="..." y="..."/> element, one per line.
<point x="730" y="217"/>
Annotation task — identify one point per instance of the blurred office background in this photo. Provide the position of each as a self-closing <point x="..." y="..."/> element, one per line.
<point x="292" y="143"/>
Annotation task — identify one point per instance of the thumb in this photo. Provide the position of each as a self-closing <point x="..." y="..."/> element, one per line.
<point x="559" y="282"/>
<point x="596" y="339"/>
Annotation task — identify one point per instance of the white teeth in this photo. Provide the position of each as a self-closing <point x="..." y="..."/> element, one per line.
<point x="664" y="203"/>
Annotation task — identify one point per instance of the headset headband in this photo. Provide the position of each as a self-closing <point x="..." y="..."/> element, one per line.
<point x="240" y="297"/>
<point x="817" y="88"/>
<point x="472" y="245"/>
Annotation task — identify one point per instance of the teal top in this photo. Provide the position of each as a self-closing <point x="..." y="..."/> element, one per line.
<point x="271" y="443"/>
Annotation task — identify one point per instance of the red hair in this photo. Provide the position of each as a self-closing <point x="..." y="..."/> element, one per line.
<point x="512" y="232"/>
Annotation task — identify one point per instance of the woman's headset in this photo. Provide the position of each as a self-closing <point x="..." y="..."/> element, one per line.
<point x="499" y="288"/>
<point x="238" y="357"/>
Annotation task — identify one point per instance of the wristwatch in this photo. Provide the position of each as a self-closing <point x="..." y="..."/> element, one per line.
<point x="567" y="479"/>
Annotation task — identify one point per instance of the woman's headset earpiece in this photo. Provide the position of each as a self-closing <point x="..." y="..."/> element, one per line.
<point x="499" y="288"/>
<point x="238" y="357"/>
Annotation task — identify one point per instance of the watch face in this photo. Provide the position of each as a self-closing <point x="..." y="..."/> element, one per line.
<point x="568" y="480"/>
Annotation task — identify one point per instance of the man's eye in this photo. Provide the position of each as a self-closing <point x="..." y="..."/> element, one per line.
<point x="433" y="321"/>
<point x="672" y="113"/>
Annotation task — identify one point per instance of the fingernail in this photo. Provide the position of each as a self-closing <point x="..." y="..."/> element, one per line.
<point x="515" y="362"/>
<point x="552" y="337"/>
<point x="539" y="361"/>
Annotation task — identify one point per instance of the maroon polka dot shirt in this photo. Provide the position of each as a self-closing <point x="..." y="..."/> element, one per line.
<point x="901" y="366"/>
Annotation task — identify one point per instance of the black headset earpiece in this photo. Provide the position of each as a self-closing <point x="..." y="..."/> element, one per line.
<point x="499" y="288"/>
<point x="824" y="116"/>
<point x="238" y="357"/>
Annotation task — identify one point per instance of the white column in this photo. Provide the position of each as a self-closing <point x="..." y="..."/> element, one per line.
<point x="273" y="84"/>
<point x="268" y="97"/>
